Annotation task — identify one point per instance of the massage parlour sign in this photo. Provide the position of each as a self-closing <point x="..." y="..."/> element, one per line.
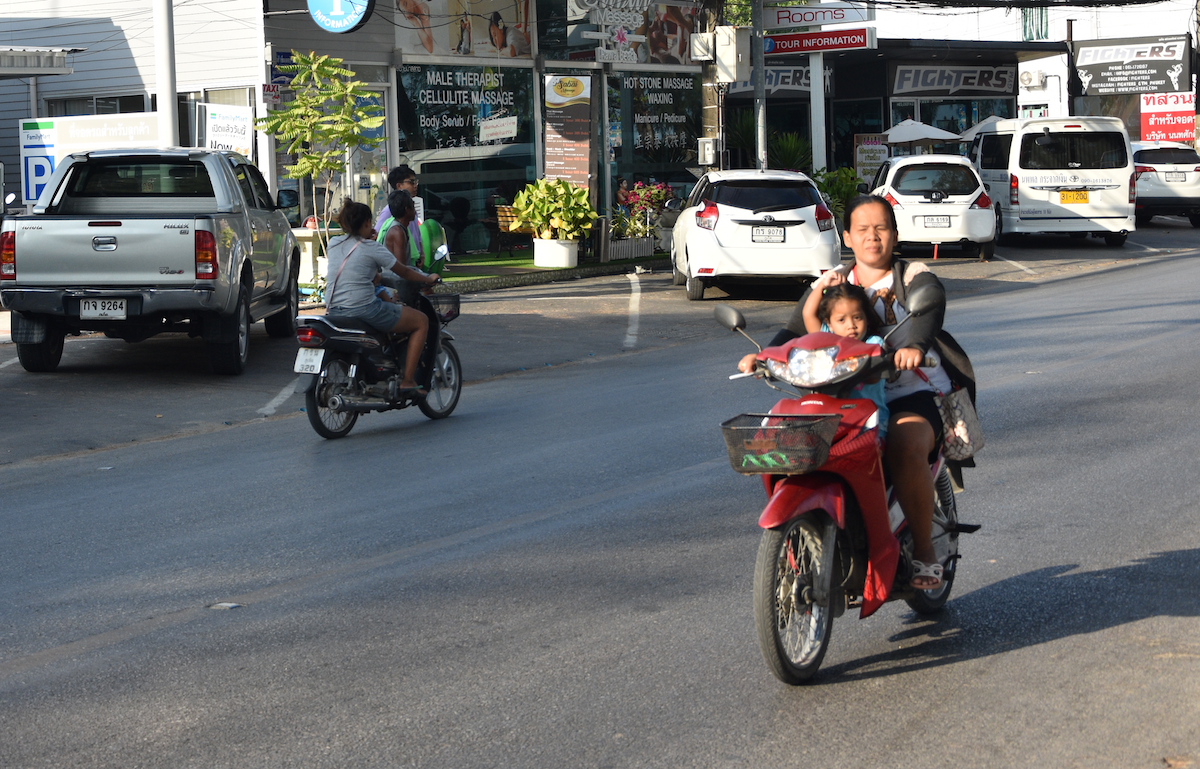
<point x="615" y="21"/>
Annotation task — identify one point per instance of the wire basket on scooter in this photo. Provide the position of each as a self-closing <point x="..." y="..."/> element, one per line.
<point x="445" y="305"/>
<point x="779" y="444"/>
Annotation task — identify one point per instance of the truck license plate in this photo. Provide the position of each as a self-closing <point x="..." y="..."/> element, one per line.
<point x="1067" y="197"/>
<point x="766" y="234"/>
<point x="1176" y="176"/>
<point x="937" y="221"/>
<point x="102" y="309"/>
<point x="309" y="359"/>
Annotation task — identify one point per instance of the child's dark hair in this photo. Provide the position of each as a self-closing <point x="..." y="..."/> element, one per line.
<point x="831" y="295"/>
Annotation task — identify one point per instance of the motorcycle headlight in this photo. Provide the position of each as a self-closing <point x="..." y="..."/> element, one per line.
<point x="813" y="368"/>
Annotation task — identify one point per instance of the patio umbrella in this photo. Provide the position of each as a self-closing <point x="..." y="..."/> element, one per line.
<point x="969" y="134"/>
<point x="916" y="132"/>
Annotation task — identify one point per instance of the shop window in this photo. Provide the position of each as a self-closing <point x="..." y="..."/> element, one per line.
<point x="95" y="105"/>
<point x="232" y="97"/>
<point x="903" y="109"/>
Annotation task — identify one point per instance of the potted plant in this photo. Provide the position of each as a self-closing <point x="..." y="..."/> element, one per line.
<point x="559" y="213"/>
<point x="641" y="226"/>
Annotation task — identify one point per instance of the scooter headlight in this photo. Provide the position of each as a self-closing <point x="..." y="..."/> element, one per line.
<point x="813" y="368"/>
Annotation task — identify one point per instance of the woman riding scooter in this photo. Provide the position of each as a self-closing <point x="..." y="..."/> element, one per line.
<point x="915" y="427"/>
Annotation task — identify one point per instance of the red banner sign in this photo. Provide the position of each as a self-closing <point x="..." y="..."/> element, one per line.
<point x="814" y="42"/>
<point x="1169" y="117"/>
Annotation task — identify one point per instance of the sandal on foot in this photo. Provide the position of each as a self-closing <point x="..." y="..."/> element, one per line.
<point x="924" y="572"/>
<point x="416" y="393"/>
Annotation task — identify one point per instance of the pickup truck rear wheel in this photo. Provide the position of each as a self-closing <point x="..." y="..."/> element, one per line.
<point x="45" y="355"/>
<point x="283" y="323"/>
<point x="229" y="357"/>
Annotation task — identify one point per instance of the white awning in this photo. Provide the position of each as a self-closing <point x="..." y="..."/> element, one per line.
<point x="35" y="62"/>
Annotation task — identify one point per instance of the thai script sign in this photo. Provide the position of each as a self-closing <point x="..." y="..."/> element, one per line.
<point x="815" y="15"/>
<point x="1168" y="117"/>
<point x="228" y="128"/>
<point x="946" y="81"/>
<point x="813" y="42"/>
<point x="1134" y="65"/>
<point x="870" y="152"/>
<point x="45" y="142"/>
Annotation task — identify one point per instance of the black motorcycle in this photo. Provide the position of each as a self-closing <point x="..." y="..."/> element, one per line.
<point x="347" y="367"/>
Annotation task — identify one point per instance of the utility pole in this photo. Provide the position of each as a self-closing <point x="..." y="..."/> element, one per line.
<point x="758" y="77"/>
<point x="164" y="60"/>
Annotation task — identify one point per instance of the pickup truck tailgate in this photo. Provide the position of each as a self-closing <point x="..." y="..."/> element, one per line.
<point x="71" y="251"/>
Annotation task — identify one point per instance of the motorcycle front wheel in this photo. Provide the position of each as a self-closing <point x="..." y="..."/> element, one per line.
<point x="945" y="541"/>
<point x="445" y="385"/>
<point x="793" y="632"/>
<point x="334" y="380"/>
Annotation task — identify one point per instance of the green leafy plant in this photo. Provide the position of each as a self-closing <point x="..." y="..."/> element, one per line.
<point x="841" y="185"/>
<point x="332" y="113"/>
<point x="554" y="210"/>
<point x="790" y="151"/>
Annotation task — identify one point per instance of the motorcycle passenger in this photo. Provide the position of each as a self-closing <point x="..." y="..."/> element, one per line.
<point x="845" y="310"/>
<point x="355" y="260"/>
<point x="915" y="424"/>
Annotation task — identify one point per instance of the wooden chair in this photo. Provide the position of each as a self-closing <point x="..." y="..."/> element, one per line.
<point x="504" y="219"/>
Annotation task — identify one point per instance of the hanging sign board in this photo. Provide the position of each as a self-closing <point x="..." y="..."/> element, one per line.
<point x="568" y="128"/>
<point x="814" y="42"/>
<point x="818" y="14"/>
<point x="1134" y="65"/>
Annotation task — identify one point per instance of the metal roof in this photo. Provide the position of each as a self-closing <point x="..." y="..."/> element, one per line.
<point x="35" y="62"/>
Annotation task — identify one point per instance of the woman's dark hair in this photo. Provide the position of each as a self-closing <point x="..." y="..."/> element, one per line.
<point x="399" y="203"/>
<point x="863" y="200"/>
<point x="497" y="20"/>
<point x="831" y="295"/>
<point x="353" y="216"/>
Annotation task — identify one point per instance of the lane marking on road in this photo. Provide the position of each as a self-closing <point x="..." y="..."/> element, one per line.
<point x="635" y="303"/>
<point x="279" y="399"/>
<point x="1144" y="248"/>
<point x="1016" y="264"/>
<point x="9" y="362"/>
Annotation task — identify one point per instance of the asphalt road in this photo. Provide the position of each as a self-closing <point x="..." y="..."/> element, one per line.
<point x="559" y="574"/>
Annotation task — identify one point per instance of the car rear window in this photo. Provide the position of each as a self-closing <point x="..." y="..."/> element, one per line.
<point x="943" y="177"/>
<point x="1063" y="151"/>
<point x="140" y="179"/>
<point x="753" y="194"/>
<point x="1167" y="155"/>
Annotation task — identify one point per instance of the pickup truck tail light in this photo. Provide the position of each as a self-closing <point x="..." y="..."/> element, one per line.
<point x="707" y="218"/>
<point x="824" y="217"/>
<point x="206" y="255"/>
<point x="8" y="256"/>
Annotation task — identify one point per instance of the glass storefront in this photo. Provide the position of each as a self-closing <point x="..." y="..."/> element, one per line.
<point x="654" y="121"/>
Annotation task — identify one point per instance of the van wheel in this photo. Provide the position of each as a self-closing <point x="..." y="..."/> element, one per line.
<point x="695" y="288"/>
<point x="1001" y="238"/>
<point x="1115" y="239"/>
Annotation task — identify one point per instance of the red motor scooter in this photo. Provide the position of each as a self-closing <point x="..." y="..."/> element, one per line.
<point x="834" y="535"/>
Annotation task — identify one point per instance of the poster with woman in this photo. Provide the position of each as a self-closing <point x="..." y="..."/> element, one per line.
<point x="469" y="28"/>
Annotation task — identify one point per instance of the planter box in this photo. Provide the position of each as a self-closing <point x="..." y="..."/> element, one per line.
<point x="630" y="248"/>
<point x="555" y="253"/>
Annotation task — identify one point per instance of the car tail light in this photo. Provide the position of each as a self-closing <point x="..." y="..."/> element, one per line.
<point x="206" y="255"/>
<point x="1133" y="188"/>
<point x="1139" y="170"/>
<point x="1197" y="168"/>
<point x="8" y="255"/>
<point x="308" y="336"/>
<point x="891" y="200"/>
<point x="983" y="201"/>
<point x="1013" y="198"/>
<point x="707" y="218"/>
<point x="824" y="217"/>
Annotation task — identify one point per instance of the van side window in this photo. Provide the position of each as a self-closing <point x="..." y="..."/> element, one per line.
<point x="994" y="151"/>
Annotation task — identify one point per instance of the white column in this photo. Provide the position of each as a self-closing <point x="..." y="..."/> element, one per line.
<point x="816" y="77"/>
<point x="164" y="75"/>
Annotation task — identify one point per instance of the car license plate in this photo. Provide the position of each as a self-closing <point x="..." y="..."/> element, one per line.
<point x="309" y="359"/>
<point x="102" y="309"/>
<point x="1067" y="197"/>
<point x="1176" y="176"/>
<point x="767" y="234"/>
<point x="937" y="221"/>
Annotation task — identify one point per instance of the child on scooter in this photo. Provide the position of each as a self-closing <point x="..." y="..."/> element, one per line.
<point x="845" y="310"/>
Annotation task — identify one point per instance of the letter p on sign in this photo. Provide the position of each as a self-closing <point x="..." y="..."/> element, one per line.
<point x="37" y="172"/>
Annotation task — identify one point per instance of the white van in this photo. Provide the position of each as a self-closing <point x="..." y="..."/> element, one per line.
<point x="1064" y="175"/>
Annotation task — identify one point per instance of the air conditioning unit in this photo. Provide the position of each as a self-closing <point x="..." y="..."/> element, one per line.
<point x="1032" y="79"/>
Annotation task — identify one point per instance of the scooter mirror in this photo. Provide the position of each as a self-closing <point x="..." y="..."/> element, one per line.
<point x="923" y="299"/>
<point x="729" y="317"/>
<point x="441" y="253"/>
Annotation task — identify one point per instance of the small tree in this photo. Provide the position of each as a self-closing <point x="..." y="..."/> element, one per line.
<point x="329" y="115"/>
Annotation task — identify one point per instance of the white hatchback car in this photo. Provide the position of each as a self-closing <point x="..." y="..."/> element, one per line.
<point x="938" y="199"/>
<point x="1168" y="181"/>
<point x="752" y="225"/>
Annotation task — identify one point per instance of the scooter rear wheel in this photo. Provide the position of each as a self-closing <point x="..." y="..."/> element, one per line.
<point x="793" y="631"/>
<point x="945" y="541"/>
<point x="334" y="380"/>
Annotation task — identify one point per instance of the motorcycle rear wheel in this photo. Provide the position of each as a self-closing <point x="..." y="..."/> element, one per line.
<point x="793" y="633"/>
<point x="334" y="380"/>
<point x="445" y="385"/>
<point x="945" y="521"/>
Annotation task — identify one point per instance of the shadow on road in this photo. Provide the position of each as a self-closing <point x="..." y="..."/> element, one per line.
<point x="1035" y="608"/>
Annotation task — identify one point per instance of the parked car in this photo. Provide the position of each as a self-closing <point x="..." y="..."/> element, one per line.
<point x="752" y="226"/>
<point x="1168" y="181"/>
<point x="938" y="200"/>
<point x="135" y="243"/>
<point x="1059" y="175"/>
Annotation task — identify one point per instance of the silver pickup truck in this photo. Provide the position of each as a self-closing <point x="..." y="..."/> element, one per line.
<point x="136" y="243"/>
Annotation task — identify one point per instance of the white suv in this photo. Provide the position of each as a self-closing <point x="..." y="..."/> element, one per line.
<point x="938" y="199"/>
<point x="1168" y="181"/>
<point x="752" y="225"/>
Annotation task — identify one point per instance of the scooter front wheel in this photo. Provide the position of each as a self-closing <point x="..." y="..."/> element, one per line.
<point x="334" y="380"/>
<point x="793" y="627"/>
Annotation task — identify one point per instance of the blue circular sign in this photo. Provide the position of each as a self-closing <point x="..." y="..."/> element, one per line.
<point x="340" y="15"/>
<point x="768" y="44"/>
